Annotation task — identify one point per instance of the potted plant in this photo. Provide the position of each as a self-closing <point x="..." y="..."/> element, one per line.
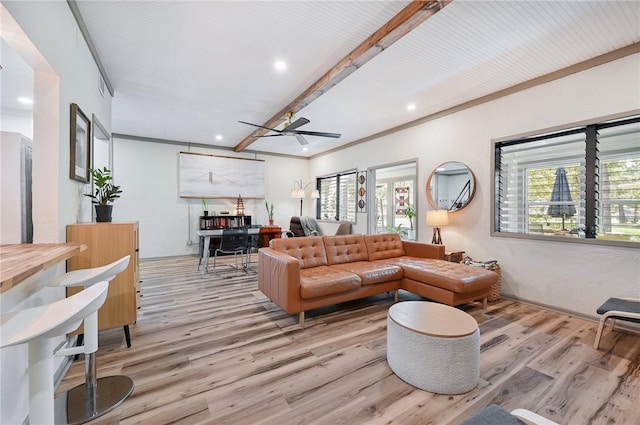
<point x="269" y="212"/>
<point x="205" y="207"/>
<point x="105" y="193"/>
<point x="410" y="212"/>
<point x="397" y="229"/>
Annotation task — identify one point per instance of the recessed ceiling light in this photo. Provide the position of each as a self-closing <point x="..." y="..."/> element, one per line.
<point x="280" y="65"/>
<point x="25" y="100"/>
<point x="218" y="136"/>
<point x="305" y="149"/>
<point x="411" y="107"/>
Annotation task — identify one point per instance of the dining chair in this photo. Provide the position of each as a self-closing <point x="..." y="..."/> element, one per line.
<point x="253" y="242"/>
<point x="232" y="241"/>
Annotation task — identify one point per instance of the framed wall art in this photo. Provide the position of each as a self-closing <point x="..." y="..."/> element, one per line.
<point x="214" y="176"/>
<point x="80" y="153"/>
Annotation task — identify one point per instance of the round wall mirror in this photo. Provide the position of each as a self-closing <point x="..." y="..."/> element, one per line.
<point x="451" y="186"/>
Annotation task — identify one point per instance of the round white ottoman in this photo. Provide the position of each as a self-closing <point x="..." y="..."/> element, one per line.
<point x="433" y="347"/>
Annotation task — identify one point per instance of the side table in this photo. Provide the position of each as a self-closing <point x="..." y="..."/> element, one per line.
<point x="453" y="256"/>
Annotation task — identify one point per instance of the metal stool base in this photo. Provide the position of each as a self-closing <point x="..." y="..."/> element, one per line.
<point x="77" y="407"/>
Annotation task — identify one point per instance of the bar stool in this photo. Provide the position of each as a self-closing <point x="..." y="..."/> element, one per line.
<point x="35" y="326"/>
<point x="87" y="277"/>
<point x="95" y="397"/>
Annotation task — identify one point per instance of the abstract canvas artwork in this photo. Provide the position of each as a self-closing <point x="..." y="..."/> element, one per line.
<point x="212" y="176"/>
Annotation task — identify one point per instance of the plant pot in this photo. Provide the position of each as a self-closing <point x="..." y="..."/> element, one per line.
<point x="271" y="222"/>
<point x="103" y="213"/>
<point x="411" y="234"/>
<point x="206" y="213"/>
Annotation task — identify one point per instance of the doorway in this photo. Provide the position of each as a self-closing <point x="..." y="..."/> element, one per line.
<point x="392" y="192"/>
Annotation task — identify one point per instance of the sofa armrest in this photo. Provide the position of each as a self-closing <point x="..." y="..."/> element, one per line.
<point x="424" y="250"/>
<point x="279" y="278"/>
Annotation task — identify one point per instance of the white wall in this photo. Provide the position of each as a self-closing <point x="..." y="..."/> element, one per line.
<point x="17" y="123"/>
<point x="148" y="175"/>
<point x="572" y="277"/>
<point x="46" y="36"/>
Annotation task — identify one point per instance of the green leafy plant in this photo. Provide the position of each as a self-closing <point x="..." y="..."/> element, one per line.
<point x="397" y="229"/>
<point x="205" y="205"/>
<point x="410" y="212"/>
<point x="105" y="191"/>
<point x="269" y="209"/>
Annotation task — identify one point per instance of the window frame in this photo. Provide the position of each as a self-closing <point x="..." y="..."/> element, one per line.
<point x="338" y="202"/>
<point x="589" y="127"/>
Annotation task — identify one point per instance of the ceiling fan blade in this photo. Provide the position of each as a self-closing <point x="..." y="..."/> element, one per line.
<point x="301" y="139"/>
<point x="270" y="135"/>
<point x="318" y="133"/>
<point x="260" y="126"/>
<point x="297" y="123"/>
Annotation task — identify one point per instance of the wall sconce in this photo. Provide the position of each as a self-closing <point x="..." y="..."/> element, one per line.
<point x="298" y="192"/>
<point x="239" y="206"/>
<point x="437" y="219"/>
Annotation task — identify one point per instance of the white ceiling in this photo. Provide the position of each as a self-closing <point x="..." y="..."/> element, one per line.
<point x="16" y="80"/>
<point x="186" y="71"/>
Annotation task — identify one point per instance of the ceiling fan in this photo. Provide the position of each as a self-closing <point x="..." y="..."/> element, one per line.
<point x="290" y="130"/>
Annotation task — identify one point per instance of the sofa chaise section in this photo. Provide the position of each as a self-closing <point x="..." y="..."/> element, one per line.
<point x="300" y="274"/>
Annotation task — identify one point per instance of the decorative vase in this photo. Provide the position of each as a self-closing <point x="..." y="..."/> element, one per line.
<point x="271" y="222"/>
<point x="103" y="213"/>
<point x="206" y="213"/>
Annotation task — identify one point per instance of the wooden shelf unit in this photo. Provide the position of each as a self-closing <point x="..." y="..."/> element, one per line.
<point x="106" y="243"/>
<point x="211" y="222"/>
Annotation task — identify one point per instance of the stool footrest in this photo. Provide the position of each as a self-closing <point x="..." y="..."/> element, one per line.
<point x="78" y="405"/>
<point x="70" y="351"/>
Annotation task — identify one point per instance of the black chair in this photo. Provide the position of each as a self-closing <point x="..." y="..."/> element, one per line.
<point x="233" y="241"/>
<point x="297" y="230"/>
<point x="253" y="243"/>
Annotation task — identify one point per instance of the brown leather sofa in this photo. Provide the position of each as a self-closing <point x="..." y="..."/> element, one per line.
<point x="304" y="273"/>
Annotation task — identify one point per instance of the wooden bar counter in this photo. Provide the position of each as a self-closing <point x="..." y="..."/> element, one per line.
<point x="21" y="261"/>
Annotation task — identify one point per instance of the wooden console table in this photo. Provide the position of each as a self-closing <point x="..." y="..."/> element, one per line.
<point x="268" y="233"/>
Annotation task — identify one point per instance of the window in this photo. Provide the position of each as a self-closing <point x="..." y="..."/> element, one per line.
<point x="337" y="197"/>
<point x="579" y="182"/>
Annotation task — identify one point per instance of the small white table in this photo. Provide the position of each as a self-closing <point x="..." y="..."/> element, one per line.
<point x="433" y="346"/>
<point x="203" y="266"/>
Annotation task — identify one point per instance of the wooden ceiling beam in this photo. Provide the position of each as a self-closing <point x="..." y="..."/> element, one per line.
<point x="400" y="25"/>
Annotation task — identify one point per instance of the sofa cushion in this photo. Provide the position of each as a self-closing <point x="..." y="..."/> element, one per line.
<point x="371" y="272"/>
<point x="308" y="250"/>
<point x="454" y="277"/>
<point x="345" y="249"/>
<point x="324" y="280"/>
<point x="384" y="245"/>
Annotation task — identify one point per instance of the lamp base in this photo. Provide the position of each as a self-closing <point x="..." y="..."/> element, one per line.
<point x="436" y="236"/>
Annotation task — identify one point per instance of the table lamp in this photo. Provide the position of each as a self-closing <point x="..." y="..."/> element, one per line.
<point x="437" y="219"/>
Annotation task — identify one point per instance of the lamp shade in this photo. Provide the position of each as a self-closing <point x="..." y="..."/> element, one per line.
<point x="437" y="218"/>
<point x="315" y="194"/>
<point x="297" y="193"/>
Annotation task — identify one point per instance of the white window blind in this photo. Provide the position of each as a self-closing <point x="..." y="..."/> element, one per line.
<point x="338" y="197"/>
<point x="580" y="182"/>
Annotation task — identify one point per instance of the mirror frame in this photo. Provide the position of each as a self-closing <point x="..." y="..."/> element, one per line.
<point x="433" y="174"/>
<point x="96" y="129"/>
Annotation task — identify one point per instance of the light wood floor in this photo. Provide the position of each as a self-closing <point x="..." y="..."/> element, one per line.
<point x="216" y="351"/>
